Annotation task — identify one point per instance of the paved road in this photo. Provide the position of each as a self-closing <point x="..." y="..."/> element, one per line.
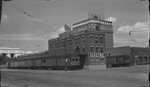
<point x="113" y="77"/>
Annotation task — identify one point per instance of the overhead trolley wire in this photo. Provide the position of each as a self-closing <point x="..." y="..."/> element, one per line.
<point x="34" y="20"/>
<point x="43" y="25"/>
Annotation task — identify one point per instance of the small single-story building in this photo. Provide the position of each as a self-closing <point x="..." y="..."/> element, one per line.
<point x="137" y="55"/>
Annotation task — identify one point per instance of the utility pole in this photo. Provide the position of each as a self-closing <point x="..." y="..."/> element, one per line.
<point x="66" y="54"/>
<point x="149" y="38"/>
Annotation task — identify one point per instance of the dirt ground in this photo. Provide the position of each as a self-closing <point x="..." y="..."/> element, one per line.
<point x="135" y="76"/>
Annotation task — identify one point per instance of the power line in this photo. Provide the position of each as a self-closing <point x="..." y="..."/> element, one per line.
<point x="33" y="18"/>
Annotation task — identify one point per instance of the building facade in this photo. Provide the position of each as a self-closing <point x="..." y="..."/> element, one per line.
<point x="12" y="52"/>
<point x="91" y="37"/>
<point x="138" y="55"/>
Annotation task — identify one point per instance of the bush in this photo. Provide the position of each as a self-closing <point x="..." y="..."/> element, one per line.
<point x="3" y="60"/>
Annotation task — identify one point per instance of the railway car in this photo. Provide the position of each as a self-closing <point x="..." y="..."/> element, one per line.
<point x="68" y="61"/>
<point x="13" y="64"/>
<point x="29" y="64"/>
<point x="38" y="63"/>
<point x="48" y="62"/>
<point x="117" y="61"/>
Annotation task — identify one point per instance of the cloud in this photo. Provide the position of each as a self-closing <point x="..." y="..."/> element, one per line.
<point x="139" y="26"/>
<point x="137" y="38"/>
<point x="130" y="41"/>
<point x="20" y="37"/>
<point x="55" y="33"/>
<point x="4" y="17"/>
<point x="60" y="30"/>
<point x="112" y="19"/>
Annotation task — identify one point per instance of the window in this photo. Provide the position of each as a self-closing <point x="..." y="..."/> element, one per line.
<point x="97" y="59"/>
<point x="104" y="54"/>
<point x="93" y="26"/>
<point x="83" y="39"/>
<point x="92" y="59"/>
<point x="63" y="43"/>
<point x="70" y="42"/>
<point x="145" y="60"/>
<point x="101" y="49"/>
<point x="95" y="16"/>
<point x="51" y="45"/>
<point x="140" y="59"/>
<point x="96" y="49"/>
<point x="55" y="45"/>
<point x="97" y="28"/>
<point x="96" y="39"/>
<point x="75" y="41"/>
<point x="91" y="49"/>
<point x="73" y="59"/>
<point x="91" y="38"/>
<point x="77" y="49"/>
<point x="83" y="49"/>
<point x="102" y="58"/>
<point x="101" y="39"/>
<point x="43" y="60"/>
<point x="76" y="59"/>
<point x="58" y="44"/>
<point x="78" y="42"/>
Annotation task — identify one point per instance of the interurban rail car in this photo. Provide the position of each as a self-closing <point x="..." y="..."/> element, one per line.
<point x="48" y="62"/>
<point x="119" y="60"/>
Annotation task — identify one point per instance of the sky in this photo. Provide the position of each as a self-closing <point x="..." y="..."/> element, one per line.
<point x="29" y="24"/>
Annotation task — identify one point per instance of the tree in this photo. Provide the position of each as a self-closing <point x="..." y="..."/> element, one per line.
<point x="3" y="60"/>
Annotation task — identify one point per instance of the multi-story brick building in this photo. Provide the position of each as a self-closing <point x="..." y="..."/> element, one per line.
<point x="91" y="36"/>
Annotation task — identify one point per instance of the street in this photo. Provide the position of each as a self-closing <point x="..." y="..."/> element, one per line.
<point x="135" y="76"/>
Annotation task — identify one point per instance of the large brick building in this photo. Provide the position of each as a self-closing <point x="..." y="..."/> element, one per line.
<point x="91" y="36"/>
